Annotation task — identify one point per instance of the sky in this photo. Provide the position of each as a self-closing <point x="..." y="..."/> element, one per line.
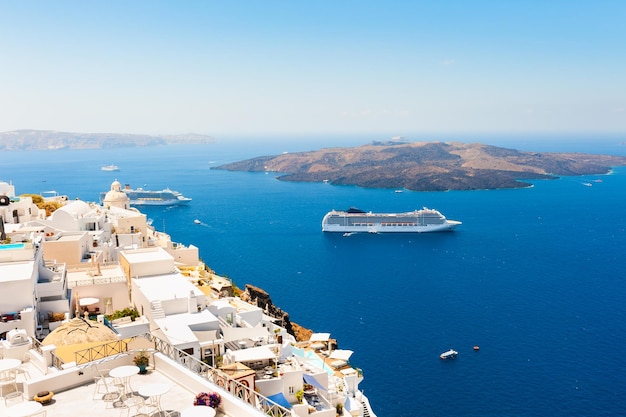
<point x="397" y="68"/>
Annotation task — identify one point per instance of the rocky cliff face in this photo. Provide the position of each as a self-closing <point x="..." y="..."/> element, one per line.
<point x="261" y="299"/>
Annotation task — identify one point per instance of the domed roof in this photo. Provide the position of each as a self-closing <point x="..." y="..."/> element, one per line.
<point x="77" y="331"/>
<point x="116" y="195"/>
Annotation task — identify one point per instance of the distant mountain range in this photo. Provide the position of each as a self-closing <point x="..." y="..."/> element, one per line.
<point x="427" y="166"/>
<point x="29" y="140"/>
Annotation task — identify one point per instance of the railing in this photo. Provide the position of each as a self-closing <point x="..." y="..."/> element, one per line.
<point x="37" y="346"/>
<point x="56" y="361"/>
<point x="100" y="352"/>
<point x="211" y="374"/>
<point x="81" y="267"/>
<point x="237" y="389"/>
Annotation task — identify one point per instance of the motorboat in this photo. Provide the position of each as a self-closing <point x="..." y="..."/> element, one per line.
<point x="449" y="354"/>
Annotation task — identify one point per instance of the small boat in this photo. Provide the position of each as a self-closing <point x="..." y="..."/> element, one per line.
<point x="398" y="191"/>
<point x="449" y="354"/>
<point x="347" y="234"/>
<point x="110" y="168"/>
<point x="197" y="221"/>
<point x="587" y="184"/>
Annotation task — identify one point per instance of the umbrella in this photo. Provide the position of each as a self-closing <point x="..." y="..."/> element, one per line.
<point x="87" y="301"/>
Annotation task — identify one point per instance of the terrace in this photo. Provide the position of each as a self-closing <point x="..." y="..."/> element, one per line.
<point x="79" y="401"/>
<point x="73" y="383"/>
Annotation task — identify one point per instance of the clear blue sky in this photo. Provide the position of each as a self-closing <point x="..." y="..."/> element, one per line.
<point x="313" y="67"/>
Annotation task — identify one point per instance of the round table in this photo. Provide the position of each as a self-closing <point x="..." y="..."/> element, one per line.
<point x="9" y="364"/>
<point x="25" y="409"/>
<point x="154" y="391"/>
<point x="198" y="411"/>
<point x="124" y="373"/>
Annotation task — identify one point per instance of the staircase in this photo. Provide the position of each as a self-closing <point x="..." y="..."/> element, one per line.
<point x="366" y="409"/>
<point x="157" y="310"/>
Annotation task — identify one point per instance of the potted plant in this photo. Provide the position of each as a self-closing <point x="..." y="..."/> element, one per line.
<point x="142" y="360"/>
<point x="209" y="399"/>
<point x="300" y="395"/>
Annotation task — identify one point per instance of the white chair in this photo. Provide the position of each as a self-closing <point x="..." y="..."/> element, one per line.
<point x="23" y="369"/>
<point x="8" y="380"/>
<point x="107" y="388"/>
<point x="138" y="406"/>
<point x="13" y="398"/>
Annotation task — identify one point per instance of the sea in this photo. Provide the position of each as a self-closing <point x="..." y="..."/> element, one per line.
<point x="534" y="276"/>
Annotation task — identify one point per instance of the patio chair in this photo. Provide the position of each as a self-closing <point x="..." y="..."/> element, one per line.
<point x="13" y="398"/>
<point x="107" y="388"/>
<point x="138" y="406"/>
<point x="23" y="368"/>
<point x="8" y="380"/>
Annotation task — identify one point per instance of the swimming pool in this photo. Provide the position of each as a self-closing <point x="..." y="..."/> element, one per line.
<point x="313" y="358"/>
<point x="12" y="246"/>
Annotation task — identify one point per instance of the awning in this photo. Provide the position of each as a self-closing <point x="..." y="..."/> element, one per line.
<point x="342" y="354"/>
<point x="310" y="379"/>
<point x="88" y="301"/>
<point x="319" y="337"/>
<point x="279" y="399"/>
<point x="252" y="354"/>
<point x="206" y="335"/>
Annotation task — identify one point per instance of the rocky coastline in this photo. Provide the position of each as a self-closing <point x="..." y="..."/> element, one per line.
<point x="427" y="166"/>
<point x="261" y="298"/>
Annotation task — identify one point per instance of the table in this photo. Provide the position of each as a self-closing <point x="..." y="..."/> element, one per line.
<point x="25" y="409"/>
<point x="198" y="411"/>
<point x="124" y="373"/>
<point x="154" y="391"/>
<point x="9" y="364"/>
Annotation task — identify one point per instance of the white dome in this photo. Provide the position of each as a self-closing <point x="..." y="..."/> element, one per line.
<point x="116" y="197"/>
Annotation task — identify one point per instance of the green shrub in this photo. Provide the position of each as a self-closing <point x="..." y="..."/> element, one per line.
<point x="127" y="312"/>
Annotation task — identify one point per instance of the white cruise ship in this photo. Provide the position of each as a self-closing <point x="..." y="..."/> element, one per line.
<point x="141" y="197"/>
<point x="355" y="220"/>
<point x="110" y="168"/>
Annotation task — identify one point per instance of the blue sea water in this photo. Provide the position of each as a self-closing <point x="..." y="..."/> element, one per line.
<point x="534" y="276"/>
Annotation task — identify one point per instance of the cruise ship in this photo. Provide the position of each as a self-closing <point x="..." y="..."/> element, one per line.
<point x="355" y="220"/>
<point x="110" y="168"/>
<point x="141" y="197"/>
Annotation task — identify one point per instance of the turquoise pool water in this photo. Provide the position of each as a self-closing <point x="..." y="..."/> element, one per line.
<point x="313" y="358"/>
<point x="12" y="246"/>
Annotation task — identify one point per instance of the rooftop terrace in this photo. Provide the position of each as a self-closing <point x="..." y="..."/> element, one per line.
<point x="78" y="402"/>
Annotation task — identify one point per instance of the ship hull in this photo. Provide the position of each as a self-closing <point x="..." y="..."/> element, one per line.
<point x="419" y="221"/>
<point x="379" y="228"/>
<point x="159" y="202"/>
<point x="141" y="197"/>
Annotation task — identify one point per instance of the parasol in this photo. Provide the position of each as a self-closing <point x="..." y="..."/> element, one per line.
<point x="87" y="301"/>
